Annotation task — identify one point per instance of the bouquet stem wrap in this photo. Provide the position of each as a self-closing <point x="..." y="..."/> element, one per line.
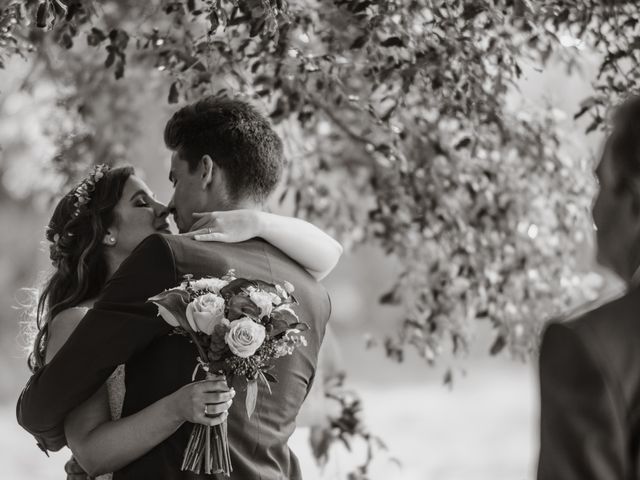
<point x="208" y="449"/>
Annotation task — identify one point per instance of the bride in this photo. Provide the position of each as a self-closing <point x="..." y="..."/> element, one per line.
<point x="93" y="229"/>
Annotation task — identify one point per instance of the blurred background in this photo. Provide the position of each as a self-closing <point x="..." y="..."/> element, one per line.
<point x="443" y="413"/>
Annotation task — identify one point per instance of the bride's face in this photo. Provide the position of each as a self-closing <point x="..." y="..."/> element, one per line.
<point x="138" y="215"/>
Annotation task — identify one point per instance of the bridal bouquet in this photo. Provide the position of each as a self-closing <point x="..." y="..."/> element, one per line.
<point x="238" y="326"/>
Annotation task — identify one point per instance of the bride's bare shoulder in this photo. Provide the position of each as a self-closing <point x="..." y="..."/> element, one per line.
<point x="61" y="327"/>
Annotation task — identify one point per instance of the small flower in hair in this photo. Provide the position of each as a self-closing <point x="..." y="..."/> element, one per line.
<point x="84" y="189"/>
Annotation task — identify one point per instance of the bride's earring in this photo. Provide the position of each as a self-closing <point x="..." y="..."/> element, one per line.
<point x="109" y="239"/>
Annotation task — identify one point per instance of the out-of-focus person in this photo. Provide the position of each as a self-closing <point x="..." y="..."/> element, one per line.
<point x="590" y="366"/>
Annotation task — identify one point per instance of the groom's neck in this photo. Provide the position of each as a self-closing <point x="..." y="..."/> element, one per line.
<point x="242" y="204"/>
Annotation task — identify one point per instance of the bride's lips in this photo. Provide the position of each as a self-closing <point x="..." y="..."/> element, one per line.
<point x="164" y="228"/>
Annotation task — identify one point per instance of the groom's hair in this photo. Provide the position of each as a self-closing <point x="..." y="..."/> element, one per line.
<point x="238" y="138"/>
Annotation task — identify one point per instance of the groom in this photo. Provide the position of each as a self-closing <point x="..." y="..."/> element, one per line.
<point x="590" y="367"/>
<point x="225" y="156"/>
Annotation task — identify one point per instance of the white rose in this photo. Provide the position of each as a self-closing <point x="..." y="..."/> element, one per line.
<point x="263" y="300"/>
<point x="275" y="299"/>
<point x="245" y="337"/>
<point x="211" y="284"/>
<point x="205" y="312"/>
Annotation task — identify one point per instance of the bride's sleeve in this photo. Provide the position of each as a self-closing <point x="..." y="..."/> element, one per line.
<point x="95" y="348"/>
<point x="307" y="244"/>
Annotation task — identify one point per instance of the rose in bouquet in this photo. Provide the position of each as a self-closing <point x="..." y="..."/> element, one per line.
<point x="239" y="326"/>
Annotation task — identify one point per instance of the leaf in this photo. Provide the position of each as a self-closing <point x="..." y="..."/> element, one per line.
<point x="448" y="378"/>
<point x="498" y="345"/>
<point x="277" y="327"/>
<point x="95" y="37"/>
<point x="361" y="6"/>
<point x="119" y="72"/>
<point x="390" y="298"/>
<point x="581" y="112"/>
<point x="465" y="142"/>
<point x="71" y="11"/>
<point x="172" y="306"/>
<point x="173" y="93"/>
<point x="562" y="17"/>
<point x="252" y="396"/>
<point x="264" y="379"/>
<point x="256" y="27"/>
<point x="66" y="41"/>
<point x="392" y="42"/>
<point x="284" y="315"/>
<point x="359" y="42"/>
<point x="236" y="286"/>
<point x="267" y="287"/>
<point x="471" y="11"/>
<point x="110" y="58"/>
<point x="42" y="14"/>
<point x="240" y="306"/>
<point x="214" y="20"/>
<point x="596" y="122"/>
<point x="303" y="327"/>
<point x="270" y="377"/>
<point x="320" y="441"/>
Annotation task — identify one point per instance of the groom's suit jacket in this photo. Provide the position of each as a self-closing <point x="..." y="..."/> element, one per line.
<point x="590" y="395"/>
<point x="123" y="328"/>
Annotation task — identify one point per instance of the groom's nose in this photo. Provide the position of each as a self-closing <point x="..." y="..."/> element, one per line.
<point x="164" y="212"/>
<point x="161" y="210"/>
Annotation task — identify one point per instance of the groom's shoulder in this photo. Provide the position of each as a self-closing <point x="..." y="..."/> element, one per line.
<point x="190" y="256"/>
<point x="154" y="246"/>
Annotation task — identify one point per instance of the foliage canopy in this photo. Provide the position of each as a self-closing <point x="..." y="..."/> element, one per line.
<point x="400" y="124"/>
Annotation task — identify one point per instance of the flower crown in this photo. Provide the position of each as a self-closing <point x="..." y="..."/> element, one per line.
<point x="87" y="186"/>
<point x="82" y="194"/>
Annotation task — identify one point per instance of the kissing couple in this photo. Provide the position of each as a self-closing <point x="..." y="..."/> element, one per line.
<point x="111" y="379"/>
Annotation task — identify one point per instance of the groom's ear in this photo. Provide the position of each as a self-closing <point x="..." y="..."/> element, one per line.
<point x="209" y="171"/>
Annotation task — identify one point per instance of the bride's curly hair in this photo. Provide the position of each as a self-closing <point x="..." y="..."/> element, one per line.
<point x="75" y="233"/>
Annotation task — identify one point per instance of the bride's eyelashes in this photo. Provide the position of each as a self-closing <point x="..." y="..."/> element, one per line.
<point x="141" y="201"/>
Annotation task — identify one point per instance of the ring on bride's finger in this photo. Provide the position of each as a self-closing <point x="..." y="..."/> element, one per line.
<point x="206" y="414"/>
<point x="210" y="230"/>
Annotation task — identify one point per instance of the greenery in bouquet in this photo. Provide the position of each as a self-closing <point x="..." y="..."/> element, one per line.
<point x="246" y="324"/>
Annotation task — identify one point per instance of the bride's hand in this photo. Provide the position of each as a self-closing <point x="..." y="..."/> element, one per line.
<point x="189" y="402"/>
<point x="232" y="226"/>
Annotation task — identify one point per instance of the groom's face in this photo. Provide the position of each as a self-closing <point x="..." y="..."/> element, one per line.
<point x="188" y="194"/>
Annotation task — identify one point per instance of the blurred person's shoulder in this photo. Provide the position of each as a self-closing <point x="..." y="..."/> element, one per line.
<point x="609" y="333"/>
<point x="613" y="321"/>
